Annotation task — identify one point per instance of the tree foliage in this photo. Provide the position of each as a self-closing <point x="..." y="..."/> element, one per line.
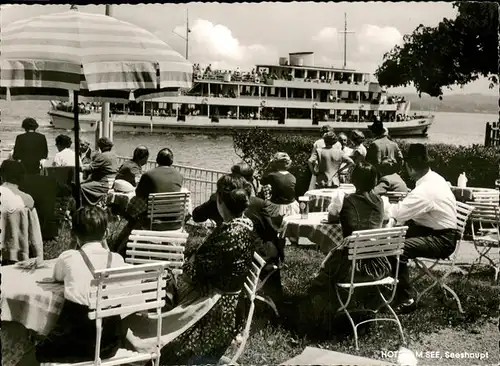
<point x="457" y="51"/>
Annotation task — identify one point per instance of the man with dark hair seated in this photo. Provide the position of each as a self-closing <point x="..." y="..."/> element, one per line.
<point x="162" y="179"/>
<point x="73" y="337"/>
<point x="132" y="169"/>
<point x="431" y="214"/>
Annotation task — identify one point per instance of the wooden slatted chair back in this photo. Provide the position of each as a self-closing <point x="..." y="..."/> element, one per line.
<point x="126" y="290"/>
<point x="376" y="243"/>
<point x="485" y="213"/>
<point x="153" y="246"/>
<point x="486" y="197"/>
<point x="395" y="197"/>
<point x="167" y="207"/>
<point x="463" y="212"/>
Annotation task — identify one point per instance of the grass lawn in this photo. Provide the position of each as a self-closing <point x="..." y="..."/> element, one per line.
<point x="436" y="326"/>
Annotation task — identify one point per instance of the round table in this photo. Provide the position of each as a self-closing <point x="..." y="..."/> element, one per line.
<point x="27" y="307"/>
<point x="320" y="199"/>
<point x="326" y="236"/>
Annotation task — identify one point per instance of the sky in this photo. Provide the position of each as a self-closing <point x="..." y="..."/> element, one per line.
<point x="242" y="35"/>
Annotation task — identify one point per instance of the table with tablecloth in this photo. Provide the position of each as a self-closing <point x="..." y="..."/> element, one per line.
<point x="20" y="236"/>
<point x="28" y="307"/>
<point x="320" y="199"/>
<point x="325" y="235"/>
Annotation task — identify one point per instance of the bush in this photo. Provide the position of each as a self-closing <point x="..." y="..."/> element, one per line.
<point x="256" y="147"/>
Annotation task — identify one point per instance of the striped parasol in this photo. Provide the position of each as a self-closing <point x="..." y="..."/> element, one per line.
<point x="45" y="56"/>
<point x="94" y="56"/>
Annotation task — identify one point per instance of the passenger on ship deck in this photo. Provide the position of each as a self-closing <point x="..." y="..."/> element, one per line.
<point x="382" y="146"/>
<point x="390" y="180"/>
<point x="131" y="170"/>
<point x="30" y="147"/>
<point x="430" y="212"/>
<point x="65" y="156"/>
<point x="100" y="171"/>
<point x="282" y="182"/>
<point x="326" y="163"/>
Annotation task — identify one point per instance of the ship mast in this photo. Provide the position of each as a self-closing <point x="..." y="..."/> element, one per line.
<point x="186" y="37"/>
<point x="345" y="31"/>
<point x="187" y="34"/>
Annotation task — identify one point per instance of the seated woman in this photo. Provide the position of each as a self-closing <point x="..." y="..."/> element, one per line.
<point x="65" y="156"/>
<point x="361" y="210"/>
<point x="102" y="169"/>
<point x="131" y="170"/>
<point x="267" y="243"/>
<point x="282" y="182"/>
<point x="390" y="180"/>
<point x="74" y="336"/>
<point x="205" y="321"/>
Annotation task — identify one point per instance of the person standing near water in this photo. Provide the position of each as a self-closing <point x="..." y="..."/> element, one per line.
<point x="30" y="147"/>
<point x="320" y="144"/>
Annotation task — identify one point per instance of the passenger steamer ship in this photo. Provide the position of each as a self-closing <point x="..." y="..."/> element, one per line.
<point x="294" y="96"/>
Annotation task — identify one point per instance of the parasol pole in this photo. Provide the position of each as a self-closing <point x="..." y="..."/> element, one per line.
<point x="106" y="123"/>
<point x="77" y="148"/>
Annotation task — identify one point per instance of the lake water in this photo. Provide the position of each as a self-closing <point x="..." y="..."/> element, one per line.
<point x="217" y="152"/>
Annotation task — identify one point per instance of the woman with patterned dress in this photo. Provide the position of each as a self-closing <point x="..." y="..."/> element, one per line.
<point x="211" y="284"/>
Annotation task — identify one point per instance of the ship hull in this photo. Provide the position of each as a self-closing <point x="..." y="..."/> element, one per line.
<point x="226" y="126"/>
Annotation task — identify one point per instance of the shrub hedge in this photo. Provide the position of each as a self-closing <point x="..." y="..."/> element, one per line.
<point x="480" y="163"/>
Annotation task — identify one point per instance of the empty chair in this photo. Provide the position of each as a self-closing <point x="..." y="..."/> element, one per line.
<point x="368" y="244"/>
<point x="485" y="222"/>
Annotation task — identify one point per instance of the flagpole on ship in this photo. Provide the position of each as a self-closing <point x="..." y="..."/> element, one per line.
<point x="105" y="127"/>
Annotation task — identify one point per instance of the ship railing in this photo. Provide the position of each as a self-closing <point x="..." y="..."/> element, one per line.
<point x="199" y="181"/>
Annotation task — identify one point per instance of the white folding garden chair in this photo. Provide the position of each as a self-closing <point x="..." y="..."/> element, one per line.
<point x="395" y="197"/>
<point x="145" y="246"/>
<point x="251" y="287"/>
<point x="463" y="213"/>
<point x="168" y="208"/>
<point x="123" y="291"/>
<point x="368" y="244"/>
<point x="485" y="222"/>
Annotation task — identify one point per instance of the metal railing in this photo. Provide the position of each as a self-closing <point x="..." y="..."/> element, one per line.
<point x="200" y="182"/>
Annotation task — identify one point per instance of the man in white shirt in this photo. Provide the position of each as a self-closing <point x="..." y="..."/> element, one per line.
<point x="65" y="156"/>
<point x="430" y="212"/>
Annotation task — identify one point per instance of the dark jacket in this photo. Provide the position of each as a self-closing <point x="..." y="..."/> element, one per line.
<point x="30" y="148"/>
<point x="390" y="183"/>
<point x="361" y="211"/>
<point x="381" y="148"/>
<point x="259" y="212"/>
<point x="161" y="179"/>
<point x="103" y="166"/>
<point x="129" y="171"/>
